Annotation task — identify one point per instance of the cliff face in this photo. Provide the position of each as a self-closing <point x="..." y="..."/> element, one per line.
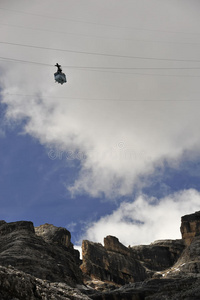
<point x="159" y="255"/>
<point x="188" y="263"/>
<point x="167" y="269"/>
<point x="53" y="234"/>
<point x="190" y="227"/>
<point x="41" y="263"/>
<point x="18" y="285"/>
<point x="44" y="258"/>
<point x="111" y="263"/>
<point x="118" y="264"/>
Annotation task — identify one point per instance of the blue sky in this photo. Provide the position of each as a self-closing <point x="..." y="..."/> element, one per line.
<point x="33" y="186"/>
<point x="116" y="147"/>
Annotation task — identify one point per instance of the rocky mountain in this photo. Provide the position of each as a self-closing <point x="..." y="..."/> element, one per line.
<point x="167" y="269"/>
<point x="38" y="263"/>
<point x="41" y="263"/>
<point x="116" y="263"/>
<point x="29" y="250"/>
<point x="190" y="227"/>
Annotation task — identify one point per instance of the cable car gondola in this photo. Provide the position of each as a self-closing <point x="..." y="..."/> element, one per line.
<point x="59" y="76"/>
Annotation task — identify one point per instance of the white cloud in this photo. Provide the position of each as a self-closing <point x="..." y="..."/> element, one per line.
<point x="79" y="249"/>
<point x="146" y="219"/>
<point x="71" y="226"/>
<point x="121" y="140"/>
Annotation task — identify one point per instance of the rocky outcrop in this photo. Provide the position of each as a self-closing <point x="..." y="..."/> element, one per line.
<point x="190" y="227"/>
<point x="53" y="234"/>
<point x="112" y="244"/>
<point x="118" y="264"/>
<point x="166" y="269"/>
<point x="106" y="265"/>
<point x="114" y="263"/>
<point x="154" y="289"/>
<point x="44" y="258"/>
<point x="188" y="265"/>
<point x="17" y="285"/>
<point x="159" y="255"/>
<point x="41" y="263"/>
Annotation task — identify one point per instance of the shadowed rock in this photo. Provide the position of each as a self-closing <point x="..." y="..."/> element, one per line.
<point x="154" y="289"/>
<point x="17" y="285"/>
<point x="41" y="263"/>
<point x="53" y="234"/>
<point x="44" y="258"/>
<point x="118" y="264"/>
<point x="111" y="263"/>
<point x="159" y="255"/>
<point x="190" y="227"/>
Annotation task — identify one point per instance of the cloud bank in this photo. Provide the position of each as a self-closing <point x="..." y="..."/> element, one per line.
<point x="146" y="219"/>
<point x="122" y="125"/>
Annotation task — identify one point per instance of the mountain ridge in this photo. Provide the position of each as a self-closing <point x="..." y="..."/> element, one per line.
<point x="41" y="263"/>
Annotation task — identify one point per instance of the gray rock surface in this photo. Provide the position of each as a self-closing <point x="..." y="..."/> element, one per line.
<point x="120" y="265"/>
<point x="190" y="227"/>
<point x="171" y="267"/>
<point x="21" y="248"/>
<point x="53" y="234"/>
<point x="154" y="289"/>
<point x="159" y="255"/>
<point x="17" y="285"/>
<point x="111" y="263"/>
<point x="41" y="263"/>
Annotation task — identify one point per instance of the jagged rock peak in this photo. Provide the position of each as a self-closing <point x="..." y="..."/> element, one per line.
<point x="51" y="233"/>
<point x="111" y="243"/>
<point x="195" y="216"/>
<point x="190" y="227"/>
<point x="118" y="264"/>
<point x="105" y="264"/>
<point x="21" y="248"/>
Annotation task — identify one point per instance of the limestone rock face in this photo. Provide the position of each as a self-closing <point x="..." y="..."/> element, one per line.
<point x="21" y="248"/>
<point x="189" y="262"/>
<point x="17" y="285"/>
<point x="188" y="265"/>
<point x="111" y="243"/>
<point x="41" y="263"/>
<point x="20" y="226"/>
<point x="118" y="264"/>
<point x="190" y="227"/>
<point x="111" y="263"/>
<point x="57" y="235"/>
<point x="159" y="255"/>
<point x="154" y="289"/>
